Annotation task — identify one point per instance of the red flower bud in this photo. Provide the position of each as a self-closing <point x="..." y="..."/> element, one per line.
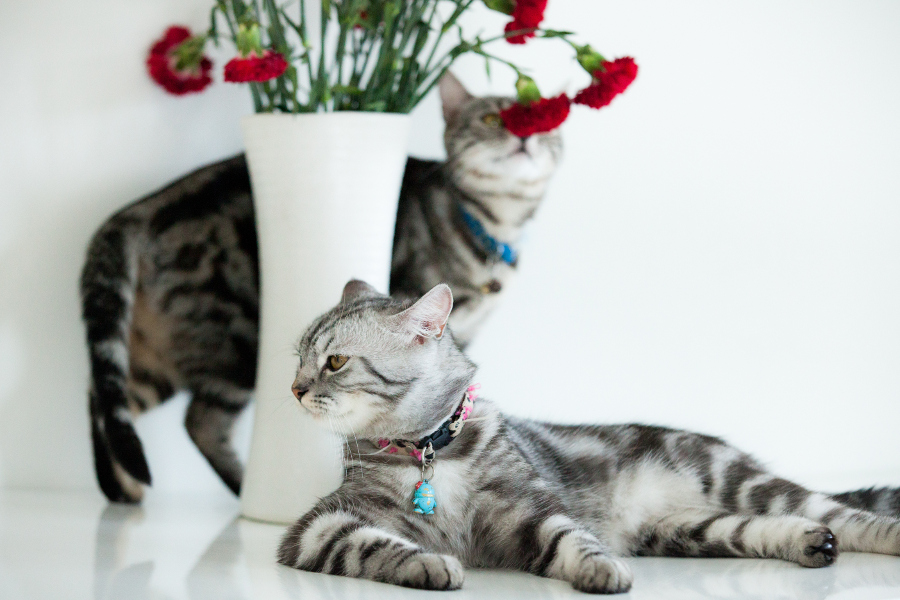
<point x="176" y="62"/>
<point x="590" y="59"/>
<point x="539" y="117"/>
<point x="255" y="68"/>
<point x="527" y="90"/>
<point x="608" y="83"/>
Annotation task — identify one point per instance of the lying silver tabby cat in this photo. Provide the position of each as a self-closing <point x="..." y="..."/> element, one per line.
<point x="170" y="289"/>
<point x="554" y="500"/>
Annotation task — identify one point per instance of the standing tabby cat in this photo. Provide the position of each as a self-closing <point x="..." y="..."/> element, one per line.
<point x="170" y="287"/>
<point x="554" y="500"/>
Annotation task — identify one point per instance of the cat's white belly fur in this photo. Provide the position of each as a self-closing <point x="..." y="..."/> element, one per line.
<point x="643" y="496"/>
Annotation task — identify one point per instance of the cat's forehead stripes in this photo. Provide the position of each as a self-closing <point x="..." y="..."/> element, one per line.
<point x="316" y="336"/>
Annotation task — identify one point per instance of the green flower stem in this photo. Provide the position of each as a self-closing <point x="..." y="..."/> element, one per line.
<point x="390" y="63"/>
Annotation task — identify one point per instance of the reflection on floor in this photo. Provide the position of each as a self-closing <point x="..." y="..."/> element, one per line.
<point x="73" y="546"/>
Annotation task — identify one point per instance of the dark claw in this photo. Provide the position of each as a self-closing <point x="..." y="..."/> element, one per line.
<point x="827" y="550"/>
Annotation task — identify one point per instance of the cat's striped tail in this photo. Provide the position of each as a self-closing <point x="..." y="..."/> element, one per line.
<point x="107" y="296"/>
<point x="881" y="501"/>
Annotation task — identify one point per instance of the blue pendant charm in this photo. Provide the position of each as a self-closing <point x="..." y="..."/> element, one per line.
<point x="423" y="499"/>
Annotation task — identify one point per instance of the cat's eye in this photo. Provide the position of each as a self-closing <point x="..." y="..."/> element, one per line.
<point x="336" y="361"/>
<point x="492" y="120"/>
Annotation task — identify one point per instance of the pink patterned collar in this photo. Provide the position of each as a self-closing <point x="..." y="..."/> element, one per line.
<point x="423" y="450"/>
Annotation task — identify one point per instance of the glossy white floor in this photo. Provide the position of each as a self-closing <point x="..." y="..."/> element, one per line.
<point x="67" y="546"/>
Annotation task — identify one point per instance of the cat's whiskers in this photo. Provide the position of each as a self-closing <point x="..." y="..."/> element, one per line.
<point x="281" y="403"/>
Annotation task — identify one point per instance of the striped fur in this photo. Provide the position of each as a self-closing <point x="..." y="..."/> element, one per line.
<point x="881" y="501"/>
<point x="169" y="297"/>
<point x="558" y="501"/>
<point x="170" y="288"/>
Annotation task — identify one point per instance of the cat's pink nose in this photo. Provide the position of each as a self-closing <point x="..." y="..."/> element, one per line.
<point x="298" y="392"/>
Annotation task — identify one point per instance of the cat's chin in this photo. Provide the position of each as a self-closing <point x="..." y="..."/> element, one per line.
<point x="318" y="417"/>
<point x="522" y="166"/>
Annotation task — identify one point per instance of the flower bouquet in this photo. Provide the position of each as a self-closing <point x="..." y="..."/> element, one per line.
<point x="370" y="55"/>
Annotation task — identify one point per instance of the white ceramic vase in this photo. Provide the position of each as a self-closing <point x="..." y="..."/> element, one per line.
<point x="325" y="188"/>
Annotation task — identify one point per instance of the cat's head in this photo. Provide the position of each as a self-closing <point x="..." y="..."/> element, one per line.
<point x="478" y="145"/>
<point x="375" y="367"/>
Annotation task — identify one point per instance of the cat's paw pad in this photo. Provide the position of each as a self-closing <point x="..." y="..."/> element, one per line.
<point x="603" y="575"/>
<point x="819" y="548"/>
<point x="431" y="572"/>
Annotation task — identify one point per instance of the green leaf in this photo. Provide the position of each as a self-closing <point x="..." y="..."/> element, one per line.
<point x="391" y="10"/>
<point x="504" y="6"/>
<point x="552" y="33"/>
<point x="350" y="90"/>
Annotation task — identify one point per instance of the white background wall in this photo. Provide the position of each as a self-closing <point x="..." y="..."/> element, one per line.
<point x="719" y="250"/>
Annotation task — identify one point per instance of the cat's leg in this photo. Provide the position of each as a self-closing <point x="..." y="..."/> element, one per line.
<point x="556" y="546"/>
<point x="331" y="540"/>
<point x="210" y="421"/>
<point x="217" y="360"/>
<point x="753" y="491"/>
<point x="881" y="501"/>
<point x="707" y="533"/>
<point x="857" y="530"/>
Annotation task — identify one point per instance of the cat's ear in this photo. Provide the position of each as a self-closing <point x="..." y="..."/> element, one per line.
<point x="453" y="95"/>
<point x="357" y="290"/>
<point x="426" y="318"/>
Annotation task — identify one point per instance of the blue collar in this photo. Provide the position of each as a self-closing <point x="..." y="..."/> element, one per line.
<point x="489" y="244"/>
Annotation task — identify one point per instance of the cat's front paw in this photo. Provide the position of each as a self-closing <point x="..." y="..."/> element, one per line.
<point x="603" y="575"/>
<point x="819" y="548"/>
<point x="431" y="572"/>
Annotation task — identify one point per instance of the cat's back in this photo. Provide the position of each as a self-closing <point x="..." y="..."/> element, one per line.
<point x="592" y="453"/>
<point x="178" y="231"/>
<point x="221" y="188"/>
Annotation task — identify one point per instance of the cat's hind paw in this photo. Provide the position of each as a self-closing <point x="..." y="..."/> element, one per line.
<point x="603" y="575"/>
<point x="431" y="572"/>
<point x="819" y="548"/>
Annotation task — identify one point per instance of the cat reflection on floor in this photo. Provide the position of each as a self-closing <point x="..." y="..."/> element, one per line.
<point x="222" y="570"/>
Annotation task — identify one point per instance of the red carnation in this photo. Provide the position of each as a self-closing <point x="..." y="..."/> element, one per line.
<point x="527" y="14"/>
<point x="255" y="68"/>
<point x="608" y="83"/>
<point x="177" y="64"/>
<point x="538" y="117"/>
